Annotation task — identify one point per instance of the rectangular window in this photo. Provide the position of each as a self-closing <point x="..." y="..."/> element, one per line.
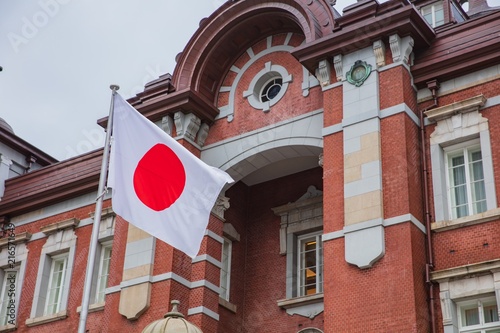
<point x="7" y="296"/>
<point x="433" y="14"/>
<point x="466" y="182"/>
<point x="225" y="271"/>
<point x="310" y="264"/>
<point x="56" y="284"/>
<point x="103" y="273"/>
<point x="479" y="316"/>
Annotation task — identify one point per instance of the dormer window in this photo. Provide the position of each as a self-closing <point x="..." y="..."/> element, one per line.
<point x="433" y="13"/>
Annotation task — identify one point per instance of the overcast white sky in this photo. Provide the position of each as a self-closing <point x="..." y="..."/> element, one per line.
<point x="60" y="56"/>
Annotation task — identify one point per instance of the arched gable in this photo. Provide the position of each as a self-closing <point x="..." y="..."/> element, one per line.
<point x="230" y="30"/>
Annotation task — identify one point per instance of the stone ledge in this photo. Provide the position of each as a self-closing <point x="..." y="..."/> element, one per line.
<point x="47" y="319"/>
<point x="19" y="238"/>
<point x="487" y="216"/>
<point x="92" y="307"/>
<point x="302" y="300"/>
<point x="8" y="328"/>
<point x="455" y="272"/>
<point x="228" y="305"/>
<point x="467" y="105"/>
<point x="57" y="226"/>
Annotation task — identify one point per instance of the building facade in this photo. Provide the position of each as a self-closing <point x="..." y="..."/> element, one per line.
<point x="365" y="149"/>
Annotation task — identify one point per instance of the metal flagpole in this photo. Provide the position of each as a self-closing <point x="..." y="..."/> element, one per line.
<point x="97" y="218"/>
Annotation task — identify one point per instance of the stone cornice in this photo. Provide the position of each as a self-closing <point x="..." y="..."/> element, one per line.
<point x="352" y="35"/>
<point x="464" y="106"/>
<point x="186" y="101"/>
<point x="57" y="226"/>
<point x="19" y="238"/>
<point x="456" y="272"/>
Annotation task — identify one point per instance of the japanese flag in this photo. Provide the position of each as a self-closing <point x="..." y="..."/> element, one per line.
<point x="158" y="185"/>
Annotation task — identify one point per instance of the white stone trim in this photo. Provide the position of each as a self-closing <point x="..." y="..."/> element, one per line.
<point x="162" y="277"/>
<point x="214" y="236"/>
<point x="400" y="108"/>
<point x="210" y="259"/>
<point x="405" y="218"/>
<point x="203" y="310"/>
<point x="386" y="223"/>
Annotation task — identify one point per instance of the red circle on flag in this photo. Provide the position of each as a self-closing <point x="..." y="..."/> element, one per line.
<point x="159" y="178"/>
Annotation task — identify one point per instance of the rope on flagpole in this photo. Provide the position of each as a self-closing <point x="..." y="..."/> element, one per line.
<point x="97" y="218"/>
<point x="104" y="192"/>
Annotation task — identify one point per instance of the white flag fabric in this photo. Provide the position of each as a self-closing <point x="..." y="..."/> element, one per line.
<point x="158" y="185"/>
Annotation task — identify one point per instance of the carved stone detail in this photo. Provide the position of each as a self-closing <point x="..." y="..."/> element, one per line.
<point x="339" y="70"/>
<point x="202" y="134"/>
<point x="323" y="73"/>
<point x="179" y="123"/>
<point x="167" y="125"/>
<point x="379" y="50"/>
<point x="192" y="125"/>
<point x="304" y="214"/>
<point x="221" y="205"/>
<point x="401" y="48"/>
<point x="187" y="125"/>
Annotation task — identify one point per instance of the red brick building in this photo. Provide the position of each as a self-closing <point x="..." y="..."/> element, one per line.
<point x="365" y="149"/>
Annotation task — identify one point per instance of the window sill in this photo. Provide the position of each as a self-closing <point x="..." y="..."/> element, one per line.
<point x="8" y="328"/>
<point x="47" y="319"/>
<point x="307" y="306"/>
<point x="487" y="216"/>
<point x="93" y="307"/>
<point x="302" y="300"/>
<point x="228" y="305"/>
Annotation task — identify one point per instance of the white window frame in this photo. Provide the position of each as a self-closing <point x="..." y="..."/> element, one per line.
<point x="53" y="260"/>
<point x="5" y="298"/>
<point x="21" y="255"/>
<point x="226" y="268"/>
<point x="260" y="80"/>
<point x="462" y="149"/>
<point x="482" y="327"/>
<point x="465" y="128"/>
<point x="104" y="247"/>
<point x="318" y="261"/>
<point x="432" y="8"/>
<point x="52" y="248"/>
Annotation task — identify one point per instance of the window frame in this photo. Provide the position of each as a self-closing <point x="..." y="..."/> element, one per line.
<point x="301" y="291"/>
<point x="104" y="246"/>
<point x="432" y="7"/>
<point x="4" y="318"/>
<point x="482" y="326"/>
<point x="224" y="292"/>
<point x="463" y="149"/>
<point x="53" y="260"/>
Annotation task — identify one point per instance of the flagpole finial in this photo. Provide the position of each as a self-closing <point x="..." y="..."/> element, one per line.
<point x="114" y="87"/>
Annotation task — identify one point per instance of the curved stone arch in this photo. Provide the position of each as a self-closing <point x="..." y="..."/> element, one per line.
<point x="209" y="53"/>
<point x="240" y="156"/>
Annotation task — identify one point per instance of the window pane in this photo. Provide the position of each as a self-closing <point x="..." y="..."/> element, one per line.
<point x="477" y="175"/>
<point x="102" y="280"/>
<point x="490" y="313"/>
<point x="225" y="269"/>
<point x="471" y="316"/>
<point x="438" y="14"/>
<point x="310" y="273"/>
<point x="55" y="286"/>
<point x="10" y="278"/>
